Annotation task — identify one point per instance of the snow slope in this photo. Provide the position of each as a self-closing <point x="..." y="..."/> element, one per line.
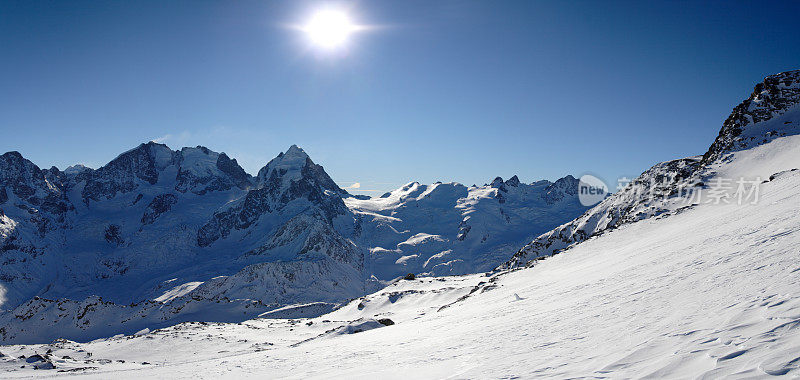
<point x="770" y="113"/>
<point x="709" y="292"/>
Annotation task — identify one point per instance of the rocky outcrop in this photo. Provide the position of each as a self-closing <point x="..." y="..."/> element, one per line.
<point x="287" y="181"/>
<point x="123" y="174"/>
<point x="563" y="187"/>
<point x="159" y="205"/>
<point x="663" y="190"/>
<point x="770" y="98"/>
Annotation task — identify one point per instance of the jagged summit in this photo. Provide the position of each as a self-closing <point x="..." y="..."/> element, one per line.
<point x="771" y="98"/>
<point x="513" y="181"/>
<point x="287" y="164"/>
<point x="294" y="170"/>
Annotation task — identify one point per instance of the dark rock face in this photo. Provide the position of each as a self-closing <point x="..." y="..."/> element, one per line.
<point x="776" y="94"/>
<point x="34" y="358"/>
<point x="159" y="205"/>
<point x="255" y="204"/>
<point x="499" y="184"/>
<point x="113" y="234"/>
<point x="513" y="181"/>
<point x="231" y="168"/>
<point x="42" y="189"/>
<point x="20" y="175"/>
<point x="121" y="174"/>
<point x="561" y="188"/>
<point x="275" y="192"/>
<point x="317" y="238"/>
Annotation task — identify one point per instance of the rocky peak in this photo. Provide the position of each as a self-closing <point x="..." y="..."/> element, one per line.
<point x="288" y="165"/>
<point x="42" y="189"/>
<point x="201" y="170"/>
<point x="563" y="187"/>
<point x="22" y="177"/>
<point x="230" y="167"/>
<point x="513" y="181"/>
<point x="498" y="184"/>
<point x="295" y="168"/>
<point x="770" y="98"/>
<point x="289" y="177"/>
<point x="122" y="174"/>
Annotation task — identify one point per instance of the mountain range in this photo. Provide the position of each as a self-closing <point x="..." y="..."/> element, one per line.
<point x="187" y="235"/>
<point x="688" y="271"/>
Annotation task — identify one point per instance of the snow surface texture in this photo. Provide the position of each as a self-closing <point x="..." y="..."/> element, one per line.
<point x="710" y="292"/>
<point x="157" y="237"/>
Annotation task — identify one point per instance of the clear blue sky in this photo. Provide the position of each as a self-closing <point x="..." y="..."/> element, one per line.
<point x="443" y="90"/>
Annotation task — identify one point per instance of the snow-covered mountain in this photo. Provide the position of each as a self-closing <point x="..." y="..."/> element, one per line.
<point x="452" y="229"/>
<point x="170" y="236"/>
<point x="771" y="112"/>
<point x="664" y="284"/>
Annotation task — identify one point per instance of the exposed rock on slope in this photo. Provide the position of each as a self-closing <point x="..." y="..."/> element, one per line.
<point x="770" y="112"/>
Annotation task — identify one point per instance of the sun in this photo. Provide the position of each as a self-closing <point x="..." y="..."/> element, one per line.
<point x="329" y="29"/>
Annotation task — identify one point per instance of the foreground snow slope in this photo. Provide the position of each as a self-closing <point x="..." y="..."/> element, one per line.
<point x="711" y="291"/>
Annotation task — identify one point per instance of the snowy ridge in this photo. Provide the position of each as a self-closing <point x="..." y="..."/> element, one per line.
<point x="451" y="229"/>
<point x="771" y="112"/>
<point x="770" y="99"/>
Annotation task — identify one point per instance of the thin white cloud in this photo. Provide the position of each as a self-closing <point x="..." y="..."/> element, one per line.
<point x="161" y="139"/>
<point x="179" y="140"/>
<point x="355" y="185"/>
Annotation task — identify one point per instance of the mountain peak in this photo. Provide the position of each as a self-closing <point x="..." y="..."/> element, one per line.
<point x="287" y="164"/>
<point x="12" y="154"/>
<point x="770" y="99"/>
<point x="513" y="181"/>
<point x="77" y="169"/>
<point x="561" y="188"/>
<point x="295" y="151"/>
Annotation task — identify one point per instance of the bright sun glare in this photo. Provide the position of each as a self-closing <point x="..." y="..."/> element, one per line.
<point x="329" y="29"/>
